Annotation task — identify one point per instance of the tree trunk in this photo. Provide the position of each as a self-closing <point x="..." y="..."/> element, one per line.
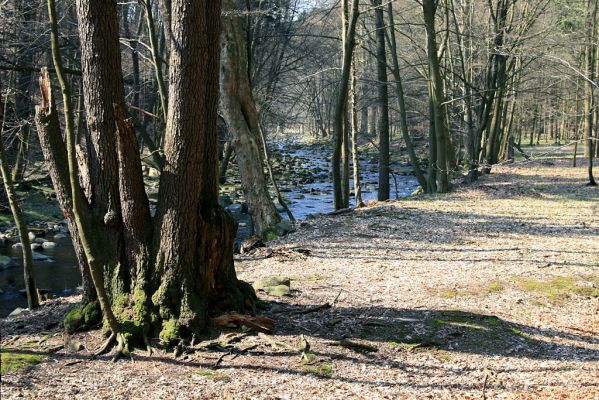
<point x="403" y="117"/>
<point x="383" y="100"/>
<point x="350" y="18"/>
<point x="436" y="93"/>
<point x="29" y="279"/>
<point x="589" y="100"/>
<point x="55" y="157"/>
<point x="193" y="234"/>
<point x="241" y="115"/>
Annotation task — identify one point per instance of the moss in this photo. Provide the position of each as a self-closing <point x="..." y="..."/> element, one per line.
<point x="170" y="332"/>
<point x="269" y="234"/>
<point x="558" y="288"/>
<point x="16" y="361"/>
<point x="322" y="371"/>
<point x="83" y="316"/>
<point x="495" y="287"/>
<point x="216" y="376"/>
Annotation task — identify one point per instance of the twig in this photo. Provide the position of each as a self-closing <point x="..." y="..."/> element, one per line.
<point x="321" y="307"/>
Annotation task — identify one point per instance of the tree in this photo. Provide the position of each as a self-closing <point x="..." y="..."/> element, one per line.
<point x="383" y="101"/>
<point x="349" y="17"/>
<point x="28" y="276"/>
<point x="439" y="130"/>
<point x="590" y="54"/>
<point x="241" y="116"/>
<point x="170" y="272"/>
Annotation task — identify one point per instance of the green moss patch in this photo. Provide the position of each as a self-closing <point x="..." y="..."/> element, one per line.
<point x="11" y="360"/>
<point x="215" y="375"/>
<point x="559" y="287"/>
<point x="495" y="287"/>
<point x="321" y="371"/>
<point x="170" y="332"/>
<point x="83" y="316"/>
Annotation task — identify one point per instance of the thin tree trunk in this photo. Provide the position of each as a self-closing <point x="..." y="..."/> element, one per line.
<point x="403" y="117"/>
<point x="354" y="138"/>
<point x="240" y="113"/>
<point x="28" y="275"/>
<point x="383" y="100"/>
<point x="350" y="17"/>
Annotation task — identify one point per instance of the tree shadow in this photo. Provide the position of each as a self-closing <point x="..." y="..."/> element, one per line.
<point x="448" y="330"/>
<point x="420" y="333"/>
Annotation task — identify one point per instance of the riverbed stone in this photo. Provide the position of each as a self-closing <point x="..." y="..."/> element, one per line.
<point x="48" y="245"/>
<point x="41" y="257"/>
<point x="283" y="227"/>
<point x="6" y="262"/>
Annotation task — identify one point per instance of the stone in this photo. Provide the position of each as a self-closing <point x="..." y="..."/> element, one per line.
<point x="234" y="208"/>
<point x="59" y="236"/>
<point x="6" y="262"/>
<point x="271" y="281"/>
<point x="74" y="346"/>
<point x="31" y="236"/>
<point x="39" y="240"/>
<point x="418" y="191"/>
<point x="48" y="245"/>
<point x="153" y="173"/>
<point x="17" y="245"/>
<point x="278" y="291"/>
<point x="225" y="200"/>
<point x="36" y="246"/>
<point x="17" y="311"/>
<point x="283" y="227"/>
<point x="41" y="257"/>
<point x="252" y="243"/>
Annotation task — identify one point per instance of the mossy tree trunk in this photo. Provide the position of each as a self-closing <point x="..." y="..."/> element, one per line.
<point x="171" y="272"/>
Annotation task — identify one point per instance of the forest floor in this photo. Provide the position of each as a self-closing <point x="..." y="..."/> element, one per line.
<point x="491" y="291"/>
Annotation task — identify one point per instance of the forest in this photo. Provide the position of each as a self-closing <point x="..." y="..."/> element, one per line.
<point x="298" y="199"/>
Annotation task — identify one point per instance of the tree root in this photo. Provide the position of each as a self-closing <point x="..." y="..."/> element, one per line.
<point x="122" y="347"/>
<point x="148" y="345"/>
<point x="106" y="346"/>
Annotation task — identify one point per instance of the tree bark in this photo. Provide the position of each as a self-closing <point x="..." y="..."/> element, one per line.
<point x="383" y="100"/>
<point x="240" y="113"/>
<point x="194" y="235"/>
<point x="350" y="17"/>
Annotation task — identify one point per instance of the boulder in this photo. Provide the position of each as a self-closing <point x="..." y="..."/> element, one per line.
<point x="48" y="245"/>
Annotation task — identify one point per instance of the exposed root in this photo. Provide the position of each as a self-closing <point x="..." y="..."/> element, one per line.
<point x="106" y="346"/>
<point x="122" y="348"/>
<point x="148" y="345"/>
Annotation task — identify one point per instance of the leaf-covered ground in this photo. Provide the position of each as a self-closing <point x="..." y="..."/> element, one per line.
<point x="491" y="291"/>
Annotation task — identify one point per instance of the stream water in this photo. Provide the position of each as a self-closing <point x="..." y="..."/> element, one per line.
<point x="307" y="188"/>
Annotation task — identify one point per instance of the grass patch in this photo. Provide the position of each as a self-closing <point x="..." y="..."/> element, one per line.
<point x="215" y="375"/>
<point x="322" y="371"/>
<point x="558" y="288"/>
<point x="495" y="287"/>
<point x="16" y="361"/>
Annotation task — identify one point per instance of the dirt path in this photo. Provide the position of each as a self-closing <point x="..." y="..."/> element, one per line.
<point x="489" y="291"/>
